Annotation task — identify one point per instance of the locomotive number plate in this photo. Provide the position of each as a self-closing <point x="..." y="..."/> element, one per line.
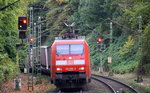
<point x="69" y="69"/>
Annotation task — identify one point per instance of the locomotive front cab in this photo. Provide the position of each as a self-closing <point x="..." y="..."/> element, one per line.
<point x="70" y="58"/>
<point x="71" y="64"/>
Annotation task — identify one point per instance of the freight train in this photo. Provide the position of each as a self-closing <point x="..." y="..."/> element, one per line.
<point x="67" y="62"/>
<point x="45" y="60"/>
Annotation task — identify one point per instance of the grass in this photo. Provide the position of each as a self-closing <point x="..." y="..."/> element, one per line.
<point x="52" y="88"/>
<point x="38" y="92"/>
<point x="101" y="90"/>
<point x="43" y="79"/>
<point x="140" y="88"/>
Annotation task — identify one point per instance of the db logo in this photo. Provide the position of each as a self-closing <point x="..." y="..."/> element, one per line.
<point x="70" y="62"/>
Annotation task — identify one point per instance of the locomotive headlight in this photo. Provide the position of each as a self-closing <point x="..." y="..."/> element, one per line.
<point x="81" y="68"/>
<point x="59" y="69"/>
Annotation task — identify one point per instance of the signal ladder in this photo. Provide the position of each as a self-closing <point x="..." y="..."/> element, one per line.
<point x="34" y="51"/>
<point x="30" y="50"/>
<point x="36" y="71"/>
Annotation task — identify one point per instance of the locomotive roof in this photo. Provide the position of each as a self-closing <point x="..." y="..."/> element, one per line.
<point x="72" y="41"/>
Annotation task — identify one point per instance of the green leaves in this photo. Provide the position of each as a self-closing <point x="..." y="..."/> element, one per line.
<point x="126" y="49"/>
<point x="7" y="67"/>
<point x="9" y="36"/>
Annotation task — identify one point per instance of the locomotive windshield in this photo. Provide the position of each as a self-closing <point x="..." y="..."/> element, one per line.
<point x="62" y="49"/>
<point x="70" y="49"/>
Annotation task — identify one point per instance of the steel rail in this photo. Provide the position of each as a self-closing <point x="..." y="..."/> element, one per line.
<point x="126" y="85"/>
<point x="112" y="89"/>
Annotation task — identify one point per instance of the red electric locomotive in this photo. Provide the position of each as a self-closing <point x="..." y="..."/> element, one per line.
<point x="70" y="63"/>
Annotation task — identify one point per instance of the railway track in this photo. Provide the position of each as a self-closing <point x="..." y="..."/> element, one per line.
<point x="107" y="85"/>
<point x="66" y="91"/>
<point x="117" y="86"/>
<point x="81" y="91"/>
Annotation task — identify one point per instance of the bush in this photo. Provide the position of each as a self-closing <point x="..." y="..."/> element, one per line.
<point x="7" y="67"/>
<point x="141" y="89"/>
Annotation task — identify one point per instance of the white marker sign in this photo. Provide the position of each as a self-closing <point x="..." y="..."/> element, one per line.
<point x="109" y="59"/>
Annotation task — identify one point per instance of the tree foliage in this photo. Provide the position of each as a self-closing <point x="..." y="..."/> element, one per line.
<point x="9" y="35"/>
<point x="93" y="19"/>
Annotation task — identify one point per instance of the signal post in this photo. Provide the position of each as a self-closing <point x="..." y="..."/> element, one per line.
<point x="22" y="29"/>
<point x="101" y="47"/>
<point x="110" y="57"/>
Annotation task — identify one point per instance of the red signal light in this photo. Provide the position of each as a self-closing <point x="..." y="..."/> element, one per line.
<point x="99" y="40"/>
<point x="31" y="39"/>
<point x="24" y="21"/>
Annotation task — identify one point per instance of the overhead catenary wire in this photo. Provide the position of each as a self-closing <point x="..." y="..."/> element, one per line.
<point x="4" y="7"/>
<point x="122" y="25"/>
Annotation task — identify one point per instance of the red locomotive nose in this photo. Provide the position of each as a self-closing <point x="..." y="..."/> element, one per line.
<point x="70" y="58"/>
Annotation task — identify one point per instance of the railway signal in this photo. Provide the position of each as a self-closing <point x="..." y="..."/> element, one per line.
<point x="31" y="39"/>
<point x="22" y="26"/>
<point x="22" y="34"/>
<point x="22" y="23"/>
<point x="99" y="40"/>
<point x="101" y="47"/>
